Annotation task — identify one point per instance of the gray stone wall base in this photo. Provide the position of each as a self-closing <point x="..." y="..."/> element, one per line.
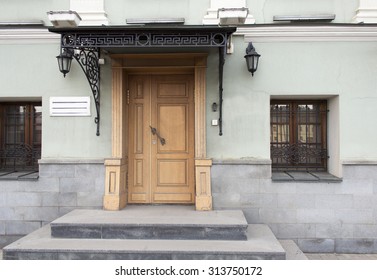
<point x="321" y="217"/>
<point x="340" y="246"/>
<point x="8" y="239"/>
<point x="26" y="206"/>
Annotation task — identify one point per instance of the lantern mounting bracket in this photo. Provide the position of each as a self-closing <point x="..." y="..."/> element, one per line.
<point x="88" y="59"/>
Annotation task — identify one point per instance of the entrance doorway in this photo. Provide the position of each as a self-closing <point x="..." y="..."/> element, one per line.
<point x="158" y="131"/>
<point x="161" y="138"/>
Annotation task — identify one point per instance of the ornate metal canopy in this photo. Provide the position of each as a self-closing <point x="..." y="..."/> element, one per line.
<point x="89" y="40"/>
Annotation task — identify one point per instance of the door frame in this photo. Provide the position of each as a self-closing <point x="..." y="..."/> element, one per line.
<point x="115" y="197"/>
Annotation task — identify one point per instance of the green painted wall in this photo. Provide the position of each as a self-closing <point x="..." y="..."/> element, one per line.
<point x="331" y="69"/>
<point x="264" y="10"/>
<point x="32" y="72"/>
<point x="26" y="10"/>
<point x="192" y="10"/>
<point x="295" y="70"/>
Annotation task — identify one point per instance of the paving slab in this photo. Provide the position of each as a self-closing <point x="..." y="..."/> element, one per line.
<point x="261" y="244"/>
<point x="293" y="252"/>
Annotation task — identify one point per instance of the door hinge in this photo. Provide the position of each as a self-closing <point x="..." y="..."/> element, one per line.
<point x="128" y="96"/>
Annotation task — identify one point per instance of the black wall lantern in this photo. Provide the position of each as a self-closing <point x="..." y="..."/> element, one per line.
<point x="65" y="60"/>
<point x="252" y="59"/>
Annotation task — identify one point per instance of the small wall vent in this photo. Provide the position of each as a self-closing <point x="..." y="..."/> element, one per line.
<point x="70" y="106"/>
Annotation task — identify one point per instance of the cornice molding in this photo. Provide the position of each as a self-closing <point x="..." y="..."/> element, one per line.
<point x="309" y="33"/>
<point x="27" y="36"/>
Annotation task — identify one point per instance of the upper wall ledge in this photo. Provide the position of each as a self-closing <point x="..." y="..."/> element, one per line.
<point x="71" y="161"/>
<point x="359" y="162"/>
<point x="241" y="161"/>
<point x="308" y="32"/>
<point x="28" y="36"/>
<point x="252" y="33"/>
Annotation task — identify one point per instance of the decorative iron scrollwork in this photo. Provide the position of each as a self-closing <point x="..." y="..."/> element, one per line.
<point x="88" y="60"/>
<point x="19" y="155"/>
<point x="294" y="154"/>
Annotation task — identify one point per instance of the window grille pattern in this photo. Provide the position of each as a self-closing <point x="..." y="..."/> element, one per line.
<point x="20" y="136"/>
<point x="298" y="135"/>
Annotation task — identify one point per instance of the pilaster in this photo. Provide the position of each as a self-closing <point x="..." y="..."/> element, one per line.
<point x="203" y="201"/>
<point x="116" y="168"/>
<point x="115" y="197"/>
<point x="367" y="12"/>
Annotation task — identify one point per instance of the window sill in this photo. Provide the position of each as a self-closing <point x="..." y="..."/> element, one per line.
<point x="304" y="176"/>
<point x="19" y="175"/>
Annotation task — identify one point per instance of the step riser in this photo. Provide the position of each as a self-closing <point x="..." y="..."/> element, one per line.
<point x="163" y="232"/>
<point x="40" y="255"/>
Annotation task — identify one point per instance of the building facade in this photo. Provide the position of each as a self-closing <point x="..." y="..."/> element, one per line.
<point x="293" y="146"/>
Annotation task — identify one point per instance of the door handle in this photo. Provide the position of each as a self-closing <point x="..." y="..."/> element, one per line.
<point x="155" y="132"/>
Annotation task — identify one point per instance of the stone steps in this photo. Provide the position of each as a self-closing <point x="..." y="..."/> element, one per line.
<point x="140" y="222"/>
<point x="166" y="232"/>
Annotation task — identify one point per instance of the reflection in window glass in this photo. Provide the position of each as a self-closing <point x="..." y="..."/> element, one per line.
<point x="298" y="135"/>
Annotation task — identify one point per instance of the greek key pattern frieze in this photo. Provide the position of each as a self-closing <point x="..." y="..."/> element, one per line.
<point x="80" y="40"/>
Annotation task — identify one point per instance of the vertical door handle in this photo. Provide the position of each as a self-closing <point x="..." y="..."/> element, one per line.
<point x="155" y="132"/>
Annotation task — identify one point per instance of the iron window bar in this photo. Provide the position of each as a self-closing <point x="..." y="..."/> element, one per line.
<point x="20" y="147"/>
<point x="298" y="136"/>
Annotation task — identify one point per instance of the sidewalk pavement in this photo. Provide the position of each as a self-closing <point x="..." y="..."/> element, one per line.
<point x="341" y="256"/>
<point x="319" y="256"/>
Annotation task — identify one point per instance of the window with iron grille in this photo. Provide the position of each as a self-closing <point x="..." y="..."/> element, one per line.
<point x="20" y="136"/>
<point x="298" y="137"/>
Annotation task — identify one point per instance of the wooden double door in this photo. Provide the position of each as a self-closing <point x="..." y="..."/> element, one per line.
<point x="161" y="138"/>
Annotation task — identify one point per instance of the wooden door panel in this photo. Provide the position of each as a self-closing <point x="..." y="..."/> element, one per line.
<point x="161" y="173"/>
<point x="172" y="89"/>
<point x="173" y="162"/>
<point x="138" y="173"/>
<point x="172" y="198"/>
<point x="139" y="129"/>
<point x="172" y="172"/>
<point x="139" y="140"/>
<point x="172" y="121"/>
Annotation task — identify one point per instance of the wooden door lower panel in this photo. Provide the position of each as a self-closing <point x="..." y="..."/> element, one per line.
<point x="174" y="181"/>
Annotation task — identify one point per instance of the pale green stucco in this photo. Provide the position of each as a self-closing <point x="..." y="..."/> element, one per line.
<point x="265" y="10"/>
<point x="32" y="74"/>
<point x="35" y="10"/>
<point x="296" y="70"/>
<point x="192" y="10"/>
<point x="343" y="72"/>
